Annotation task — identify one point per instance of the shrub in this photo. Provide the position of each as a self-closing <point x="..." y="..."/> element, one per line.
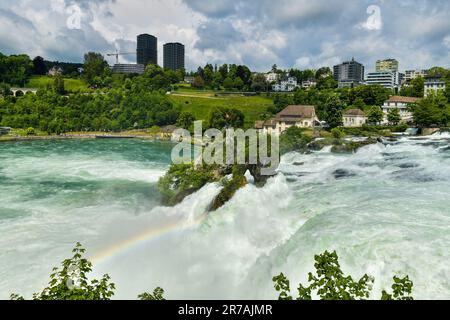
<point x="330" y="283"/>
<point x="337" y="133"/>
<point x="71" y="283"/>
<point x="30" y="131"/>
<point x="294" y="139"/>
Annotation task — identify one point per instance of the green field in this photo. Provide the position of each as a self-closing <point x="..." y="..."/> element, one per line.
<point x="71" y="85"/>
<point x="202" y="103"/>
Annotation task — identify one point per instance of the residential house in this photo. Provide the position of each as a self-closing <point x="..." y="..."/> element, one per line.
<point x="189" y="79"/>
<point x="288" y="84"/>
<point x="293" y="115"/>
<point x="401" y="103"/>
<point x="434" y="83"/>
<point x="55" y="71"/>
<point x="310" y="83"/>
<point x="271" y="77"/>
<point x="354" y="118"/>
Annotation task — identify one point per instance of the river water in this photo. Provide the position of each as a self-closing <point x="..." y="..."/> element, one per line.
<point x="384" y="209"/>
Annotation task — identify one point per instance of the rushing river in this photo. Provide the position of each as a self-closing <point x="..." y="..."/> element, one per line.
<point x="385" y="209"/>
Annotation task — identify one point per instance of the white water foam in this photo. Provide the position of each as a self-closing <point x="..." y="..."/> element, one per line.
<point x="384" y="209"/>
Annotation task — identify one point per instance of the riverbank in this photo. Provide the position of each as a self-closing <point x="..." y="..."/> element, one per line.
<point x="90" y="135"/>
<point x="167" y="136"/>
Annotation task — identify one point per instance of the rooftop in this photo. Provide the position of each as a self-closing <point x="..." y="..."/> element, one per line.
<point x="354" y="113"/>
<point x="297" y="111"/>
<point x="401" y="99"/>
<point x="435" y="75"/>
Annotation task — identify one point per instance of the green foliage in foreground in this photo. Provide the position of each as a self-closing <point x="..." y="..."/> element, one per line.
<point x="330" y="283"/>
<point x="158" y="294"/>
<point x="71" y="282"/>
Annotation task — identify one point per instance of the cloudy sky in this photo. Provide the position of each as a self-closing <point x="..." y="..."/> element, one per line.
<point x="258" y="33"/>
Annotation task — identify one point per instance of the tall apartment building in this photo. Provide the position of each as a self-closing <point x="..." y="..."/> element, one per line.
<point x="174" y="56"/>
<point x="387" y="65"/>
<point x="147" y="49"/>
<point x="349" y="74"/>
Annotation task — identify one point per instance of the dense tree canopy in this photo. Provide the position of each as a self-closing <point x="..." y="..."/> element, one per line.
<point x="15" y="69"/>
<point x="94" y="66"/>
<point x="39" y="67"/>
<point x="375" y="115"/>
<point x="186" y="120"/>
<point x="414" y="89"/>
<point x="394" y="116"/>
<point x="226" y="118"/>
<point x="333" y="108"/>
<point x="136" y="104"/>
<point x="433" y="110"/>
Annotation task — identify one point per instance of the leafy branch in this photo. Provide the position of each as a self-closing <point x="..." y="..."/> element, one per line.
<point x="330" y="283"/>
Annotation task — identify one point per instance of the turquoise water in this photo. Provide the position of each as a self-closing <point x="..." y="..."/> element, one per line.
<point x="384" y="209"/>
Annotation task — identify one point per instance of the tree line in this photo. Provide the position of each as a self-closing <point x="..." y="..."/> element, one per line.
<point x="15" y="70"/>
<point x="134" y="104"/>
<point x="233" y="77"/>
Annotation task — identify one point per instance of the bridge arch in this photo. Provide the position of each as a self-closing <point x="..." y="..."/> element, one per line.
<point x="18" y="92"/>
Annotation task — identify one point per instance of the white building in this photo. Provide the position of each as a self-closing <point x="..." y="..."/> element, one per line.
<point x="288" y="84"/>
<point x="55" y="71"/>
<point x="413" y="74"/>
<point x="189" y="79"/>
<point x="310" y="83"/>
<point x="294" y="115"/>
<point x="402" y="104"/>
<point x="271" y="77"/>
<point x="387" y="79"/>
<point x="354" y="118"/>
<point x="433" y="84"/>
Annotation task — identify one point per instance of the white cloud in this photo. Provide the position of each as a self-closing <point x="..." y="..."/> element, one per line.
<point x="259" y="33"/>
<point x="303" y="62"/>
<point x="446" y="41"/>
